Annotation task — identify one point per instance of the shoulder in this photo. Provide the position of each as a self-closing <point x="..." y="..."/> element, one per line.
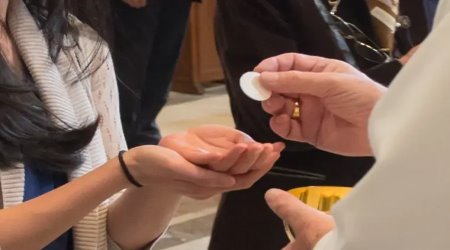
<point x="93" y="53"/>
<point x="93" y="47"/>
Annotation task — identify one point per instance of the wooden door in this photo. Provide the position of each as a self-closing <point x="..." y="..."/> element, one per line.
<point x="199" y="62"/>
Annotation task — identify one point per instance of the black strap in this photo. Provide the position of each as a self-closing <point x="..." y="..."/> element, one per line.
<point x="126" y="171"/>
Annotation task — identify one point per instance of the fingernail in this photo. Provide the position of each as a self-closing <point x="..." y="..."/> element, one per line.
<point x="272" y="194"/>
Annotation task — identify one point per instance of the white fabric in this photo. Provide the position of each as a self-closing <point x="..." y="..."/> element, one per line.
<point x="403" y="202"/>
<point x="74" y="103"/>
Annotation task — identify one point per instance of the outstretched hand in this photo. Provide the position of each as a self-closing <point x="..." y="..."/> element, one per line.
<point x="336" y="102"/>
<point x="225" y="150"/>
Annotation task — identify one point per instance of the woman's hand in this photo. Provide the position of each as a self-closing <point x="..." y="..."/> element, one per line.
<point x="336" y="102"/>
<point x="309" y="225"/>
<point x="222" y="149"/>
<point x="225" y="150"/>
<point x="165" y="170"/>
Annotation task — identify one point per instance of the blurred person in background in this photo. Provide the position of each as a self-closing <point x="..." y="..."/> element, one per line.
<point x="248" y="32"/>
<point x="148" y="38"/>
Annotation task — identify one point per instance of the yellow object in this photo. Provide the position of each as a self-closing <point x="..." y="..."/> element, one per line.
<point x="320" y="198"/>
<point x="296" y="112"/>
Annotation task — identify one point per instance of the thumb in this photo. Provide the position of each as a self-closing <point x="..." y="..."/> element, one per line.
<point x="298" y="82"/>
<point x="309" y="224"/>
<point x="287" y="207"/>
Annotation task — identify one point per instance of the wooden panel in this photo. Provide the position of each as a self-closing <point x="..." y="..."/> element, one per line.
<point x="183" y="79"/>
<point x="209" y="65"/>
<point x="199" y="62"/>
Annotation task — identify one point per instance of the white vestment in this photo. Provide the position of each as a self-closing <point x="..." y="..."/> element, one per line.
<point x="404" y="201"/>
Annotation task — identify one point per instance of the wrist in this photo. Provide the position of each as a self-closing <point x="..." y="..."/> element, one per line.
<point x="129" y="167"/>
<point x="403" y="60"/>
<point x="115" y="175"/>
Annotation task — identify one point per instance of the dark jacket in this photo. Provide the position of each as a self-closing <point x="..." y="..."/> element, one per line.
<point x="419" y="12"/>
<point x="249" y="31"/>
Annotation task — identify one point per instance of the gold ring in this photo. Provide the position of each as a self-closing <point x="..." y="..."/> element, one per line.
<point x="296" y="112"/>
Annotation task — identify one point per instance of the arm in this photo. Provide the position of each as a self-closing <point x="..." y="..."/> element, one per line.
<point x="139" y="216"/>
<point x="127" y="224"/>
<point x="129" y="228"/>
<point x="401" y="197"/>
<point x="34" y="224"/>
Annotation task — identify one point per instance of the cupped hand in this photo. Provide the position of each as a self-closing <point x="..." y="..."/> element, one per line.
<point x="309" y="225"/>
<point x="166" y="170"/>
<point x="336" y="102"/>
<point x="222" y="149"/>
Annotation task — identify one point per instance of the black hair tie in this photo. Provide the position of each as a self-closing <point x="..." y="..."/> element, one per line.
<point x="126" y="171"/>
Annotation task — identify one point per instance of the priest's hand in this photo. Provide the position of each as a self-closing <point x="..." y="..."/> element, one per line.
<point x="335" y="102"/>
<point x="405" y="59"/>
<point x="309" y="225"/>
<point x="226" y="150"/>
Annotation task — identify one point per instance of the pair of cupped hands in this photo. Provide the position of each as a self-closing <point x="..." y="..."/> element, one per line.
<point x="203" y="161"/>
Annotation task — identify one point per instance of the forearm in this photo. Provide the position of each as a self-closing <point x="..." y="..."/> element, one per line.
<point x="34" y="224"/>
<point x="139" y="216"/>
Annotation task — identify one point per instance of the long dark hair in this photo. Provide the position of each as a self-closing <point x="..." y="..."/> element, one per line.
<point x="27" y="132"/>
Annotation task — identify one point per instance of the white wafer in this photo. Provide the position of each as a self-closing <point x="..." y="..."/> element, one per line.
<point x="252" y="87"/>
